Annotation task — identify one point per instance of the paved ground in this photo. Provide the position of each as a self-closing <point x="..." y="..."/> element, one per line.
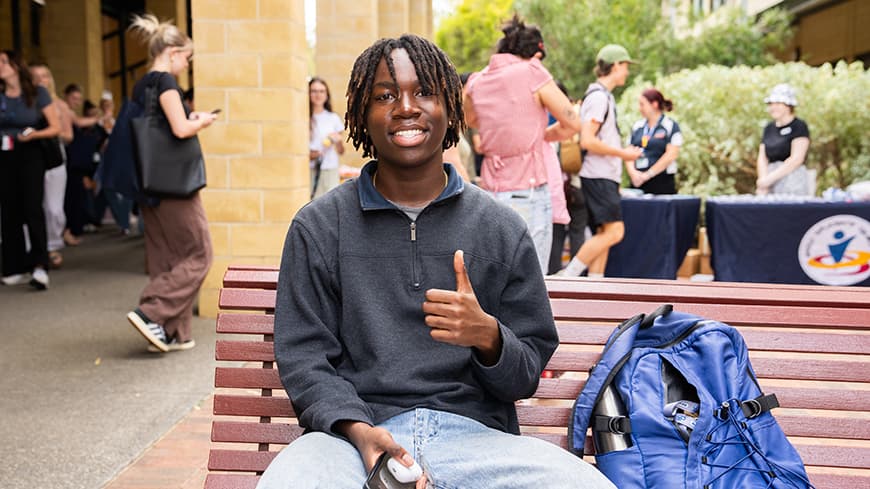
<point x="81" y="397"/>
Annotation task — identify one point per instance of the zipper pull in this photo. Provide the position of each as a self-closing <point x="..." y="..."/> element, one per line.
<point x="413" y="231"/>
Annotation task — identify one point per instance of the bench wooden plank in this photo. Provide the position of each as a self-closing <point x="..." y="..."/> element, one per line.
<point x="757" y="338"/>
<point x="239" y="460"/>
<point x="746" y="314"/>
<point x="668" y="291"/>
<point x="231" y="481"/>
<point x="239" y="323"/>
<point x="241" y="432"/>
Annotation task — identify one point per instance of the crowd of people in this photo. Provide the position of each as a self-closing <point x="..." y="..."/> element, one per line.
<point x="405" y="324"/>
<point x="51" y="193"/>
<point x="56" y="141"/>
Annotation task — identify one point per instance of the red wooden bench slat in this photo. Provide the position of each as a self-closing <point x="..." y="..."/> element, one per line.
<point x="239" y="432"/>
<point x="838" y="481"/>
<point x="842" y="425"/>
<point x="239" y="460"/>
<point x="247" y="378"/>
<point x="842" y="397"/>
<point x="244" y="351"/>
<point x="813" y="453"/>
<point x="665" y="291"/>
<point x="852" y="368"/>
<point x="247" y="299"/>
<point x="231" y="481"/>
<point x="238" y="405"/>
<point x="811" y="341"/>
<point x="746" y="314"/>
<point x="228" y="322"/>
<point x="251" y="279"/>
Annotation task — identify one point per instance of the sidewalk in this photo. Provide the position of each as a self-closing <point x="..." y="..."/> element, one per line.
<point x="82" y="398"/>
<point x="178" y="460"/>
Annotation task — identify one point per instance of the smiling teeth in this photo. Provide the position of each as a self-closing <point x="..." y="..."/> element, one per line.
<point x="409" y="133"/>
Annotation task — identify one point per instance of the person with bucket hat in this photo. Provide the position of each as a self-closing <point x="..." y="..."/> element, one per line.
<point x="784" y="146"/>
<point x="601" y="173"/>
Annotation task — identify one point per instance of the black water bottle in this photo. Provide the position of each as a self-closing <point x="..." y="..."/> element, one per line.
<point x="610" y="439"/>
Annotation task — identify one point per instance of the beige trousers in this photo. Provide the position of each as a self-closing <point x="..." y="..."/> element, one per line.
<point x="179" y="254"/>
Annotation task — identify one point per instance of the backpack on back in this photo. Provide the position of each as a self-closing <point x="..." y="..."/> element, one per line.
<point x="117" y="170"/>
<point x="674" y="403"/>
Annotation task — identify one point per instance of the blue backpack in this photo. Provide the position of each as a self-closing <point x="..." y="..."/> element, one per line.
<point x="674" y="403"/>
<point x="117" y="170"/>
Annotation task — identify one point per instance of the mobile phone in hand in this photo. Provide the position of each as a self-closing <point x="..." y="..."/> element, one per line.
<point x="381" y="478"/>
<point x="27" y="132"/>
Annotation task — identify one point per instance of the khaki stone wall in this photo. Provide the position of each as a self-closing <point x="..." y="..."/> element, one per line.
<point x="74" y="49"/>
<point x="251" y="62"/>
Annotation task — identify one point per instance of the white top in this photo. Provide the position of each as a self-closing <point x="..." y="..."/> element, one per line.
<point x="322" y="125"/>
<point x="594" y="107"/>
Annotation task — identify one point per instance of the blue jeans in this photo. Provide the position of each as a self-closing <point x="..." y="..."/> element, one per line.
<point x="455" y="452"/>
<point x="536" y="209"/>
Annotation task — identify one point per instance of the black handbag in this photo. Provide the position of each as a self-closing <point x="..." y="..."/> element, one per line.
<point x="168" y="166"/>
<point x="52" y="152"/>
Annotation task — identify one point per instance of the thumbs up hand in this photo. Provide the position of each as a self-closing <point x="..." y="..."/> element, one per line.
<point x="457" y="318"/>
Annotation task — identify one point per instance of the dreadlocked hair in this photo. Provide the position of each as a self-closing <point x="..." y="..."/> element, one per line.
<point x="434" y="70"/>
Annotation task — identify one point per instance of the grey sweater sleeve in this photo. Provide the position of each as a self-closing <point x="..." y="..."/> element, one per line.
<point x="527" y="328"/>
<point x="307" y="347"/>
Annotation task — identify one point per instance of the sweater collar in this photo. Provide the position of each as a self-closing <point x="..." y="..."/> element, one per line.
<point x="370" y="199"/>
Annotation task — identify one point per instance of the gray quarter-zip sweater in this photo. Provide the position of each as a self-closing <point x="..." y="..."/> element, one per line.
<point x="350" y="338"/>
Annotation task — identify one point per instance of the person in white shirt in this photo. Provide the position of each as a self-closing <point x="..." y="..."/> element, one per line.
<point x="325" y="144"/>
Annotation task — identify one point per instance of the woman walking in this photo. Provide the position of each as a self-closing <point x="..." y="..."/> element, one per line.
<point x="23" y="106"/>
<point x="55" y="178"/>
<point x="177" y="242"/>
<point x="508" y="103"/>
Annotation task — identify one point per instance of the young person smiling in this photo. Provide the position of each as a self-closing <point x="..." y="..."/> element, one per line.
<point x="411" y="310"/>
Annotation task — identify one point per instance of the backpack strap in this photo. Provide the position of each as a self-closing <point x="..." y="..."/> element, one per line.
<point x="619" y="425"/>
<point x="599" y="88"/>
<point x="616" y="352"/>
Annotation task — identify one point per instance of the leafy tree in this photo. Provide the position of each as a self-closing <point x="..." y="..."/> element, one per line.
<point x="574" y="31"/>
<point x="469" y="35"/>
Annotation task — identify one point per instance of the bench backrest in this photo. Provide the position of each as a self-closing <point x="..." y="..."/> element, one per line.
<point x="808" y="344"/>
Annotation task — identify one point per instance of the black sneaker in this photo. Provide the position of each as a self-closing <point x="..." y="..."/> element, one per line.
<point x="153" y="332"/>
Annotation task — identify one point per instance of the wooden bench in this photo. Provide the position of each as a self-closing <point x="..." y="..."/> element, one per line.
<point x="808" y="344"/>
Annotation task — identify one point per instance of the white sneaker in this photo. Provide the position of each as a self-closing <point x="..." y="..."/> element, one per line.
<point x="174" y="345"/>
<point x="153" y="332"/>
<point x="39" y="281"/>
<point x="17" y="279"/>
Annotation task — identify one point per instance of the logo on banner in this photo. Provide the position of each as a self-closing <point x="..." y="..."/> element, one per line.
<point x="836" y="250"/>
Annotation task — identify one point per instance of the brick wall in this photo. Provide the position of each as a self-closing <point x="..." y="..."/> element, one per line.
<point x="250" y="62"/>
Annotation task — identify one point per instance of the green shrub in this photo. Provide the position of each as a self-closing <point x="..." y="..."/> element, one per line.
<point x="721" y="113"/>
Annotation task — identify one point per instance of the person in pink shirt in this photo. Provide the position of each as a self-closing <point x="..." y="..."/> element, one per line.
<point x="508" y="103"/>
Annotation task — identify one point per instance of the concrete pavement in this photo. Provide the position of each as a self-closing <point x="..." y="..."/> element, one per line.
<point x="80" y="396"/>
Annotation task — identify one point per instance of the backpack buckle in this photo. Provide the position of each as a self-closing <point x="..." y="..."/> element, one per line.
<point x="751" y="408"/>
<point x="617" y="426"/>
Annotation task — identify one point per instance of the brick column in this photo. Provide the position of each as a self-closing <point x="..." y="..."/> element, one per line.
<point x="74" y="49"/>
<point x="250" y="62"/>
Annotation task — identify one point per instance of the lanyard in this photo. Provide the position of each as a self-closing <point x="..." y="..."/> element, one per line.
<point x="647" y="132"/>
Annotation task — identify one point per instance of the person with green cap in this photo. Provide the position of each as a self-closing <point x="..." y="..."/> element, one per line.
<point x="601" y="173"/>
